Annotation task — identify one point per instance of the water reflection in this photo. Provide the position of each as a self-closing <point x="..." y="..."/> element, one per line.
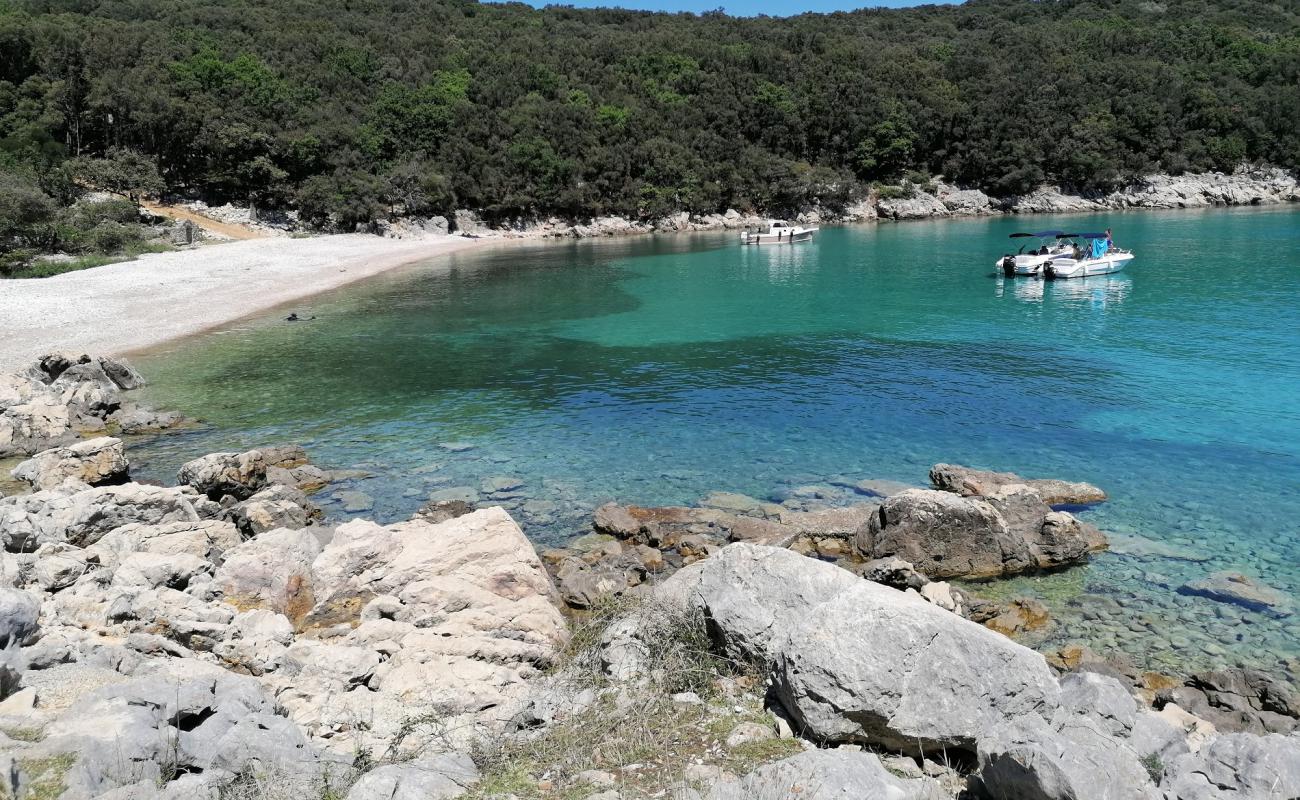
<point x="1097" y="291"/>
<point x="783" y="263"/>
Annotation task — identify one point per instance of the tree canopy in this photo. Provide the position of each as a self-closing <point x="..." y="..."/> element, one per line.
<point x="351" y="108"/>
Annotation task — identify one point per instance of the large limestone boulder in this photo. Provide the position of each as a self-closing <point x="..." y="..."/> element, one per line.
<point x="19" y="611"/>
<point x="31" y="427"/>
<point x="827" y="775"/>
<point x="272" y="571"/>
<point x="1088" y="748"/>
<point x="434" y="777"/>
<point x="472" y="576"/>
<point x="187" y="717"/>
<point x="240" y="475"/>
<point x="1237" y="766"/>
<point x="879" y="666"/>
<point x="751" y="596"/>
<point x="945" y="535"/>
<point x="81" y="518"/>
<point x="970" y="482"/>
<point x="205" y="539"/>
<point x="95" y="462"/>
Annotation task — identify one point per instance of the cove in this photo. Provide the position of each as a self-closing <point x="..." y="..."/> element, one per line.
<point x="658" y="369"/>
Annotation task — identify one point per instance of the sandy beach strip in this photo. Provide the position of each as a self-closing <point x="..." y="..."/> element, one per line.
<point x="162" y="296"/>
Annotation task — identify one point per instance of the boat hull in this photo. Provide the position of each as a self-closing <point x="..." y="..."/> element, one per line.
<point x="1083" y="268"/>
<point x="1025" y="266"/>
<point x="794" y="237"/>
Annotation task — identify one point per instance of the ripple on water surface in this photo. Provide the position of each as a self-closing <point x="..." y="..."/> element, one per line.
<point x="656" y="370"/>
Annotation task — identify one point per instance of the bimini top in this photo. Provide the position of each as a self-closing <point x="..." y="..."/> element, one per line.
<point x="1081" y="236"/>
<point x="1039" y="235"/>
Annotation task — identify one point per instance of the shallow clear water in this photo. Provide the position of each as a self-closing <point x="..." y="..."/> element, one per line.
<point x="656" y="370"/>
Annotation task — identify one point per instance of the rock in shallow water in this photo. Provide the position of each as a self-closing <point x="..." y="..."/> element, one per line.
<point x="1239" y="589"/>
<point x="948" y="536"/>
<point x="971" y="482"/>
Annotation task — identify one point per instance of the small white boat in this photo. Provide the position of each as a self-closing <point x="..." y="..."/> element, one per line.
<point x="1100" y="257"/>
<point x="778" y="233"/>
<point x="1032" y="263"/>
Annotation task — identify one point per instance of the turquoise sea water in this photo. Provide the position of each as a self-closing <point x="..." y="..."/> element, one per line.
<point x="656" y="370"/>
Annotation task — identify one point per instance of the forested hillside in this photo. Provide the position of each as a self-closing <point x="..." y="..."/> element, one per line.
<point x="349" y="107"/>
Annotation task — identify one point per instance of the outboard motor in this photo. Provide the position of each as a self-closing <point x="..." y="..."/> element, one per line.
<point x="1009" y="266"/>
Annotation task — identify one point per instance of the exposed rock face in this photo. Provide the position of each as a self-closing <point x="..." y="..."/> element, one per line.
<point x="969" y="482"/>
<point x="47" y="404"/>
<point x="1236" y="766"/>
<point x="921" y="205"/>
<point x="95" y="462"/>
<point x="240" y="475"/>
<point x="193" y="717"/>
<point x="1235" y="700"/>
<point x="948" y="536"/>
<point x="827" y="775"/>
<point x="1085" y="749"/>
<point x="912" y="677"/>
<point x="81" y="517"/>
<point x="905" y="674"/>
<point x="18" y="618"/>
<point x="428" y="778"/>
<point x="404" y="620"/>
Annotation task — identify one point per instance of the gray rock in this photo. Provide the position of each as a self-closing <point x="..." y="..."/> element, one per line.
<point x="750" y="595"/>
<point x="970" y="482"/>
<point x="1237" y="766"/>
<point x="946" y="535"/>
<point x="427" y="778"/>
<point x="240" y="475"/>
<point x="271" y="571"/>
<point x="1239" y="589"/>
<point x="354" y="501"/>
<point x="463" y="494"/>
<point x="95" y="462"/>
<point x="1086" y="749"/>
<point x="82" y="517"/>
<point x="904" y="674"/>
<point x="894" y="573"/>
<point x="436" y="511"/>
<point x="826" y="775"/>
<point x="135" y="419"/>
<point x="276" y="506"/>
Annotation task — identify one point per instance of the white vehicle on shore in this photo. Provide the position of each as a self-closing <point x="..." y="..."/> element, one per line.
<point x="1032" y="263"/>
<point x="778" y="233"/>
<point x="1100" y="257"/>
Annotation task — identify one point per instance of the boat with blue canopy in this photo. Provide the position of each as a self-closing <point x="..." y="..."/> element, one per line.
<point x="1087" y="254"/>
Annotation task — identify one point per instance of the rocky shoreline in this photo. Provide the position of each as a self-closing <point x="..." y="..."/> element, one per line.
<point x="219" y="638"/>
<point x="935" y="200"/>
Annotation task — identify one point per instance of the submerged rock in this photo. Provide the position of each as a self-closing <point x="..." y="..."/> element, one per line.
<point x="970" y="482"/>
<point x="1239" y="589"/>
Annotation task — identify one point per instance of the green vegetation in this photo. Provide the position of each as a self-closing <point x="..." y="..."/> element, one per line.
<point x="351" y="110"/>
<point x="636" y="724"/>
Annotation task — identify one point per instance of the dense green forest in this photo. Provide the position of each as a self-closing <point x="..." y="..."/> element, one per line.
<point x="346" y="109"/>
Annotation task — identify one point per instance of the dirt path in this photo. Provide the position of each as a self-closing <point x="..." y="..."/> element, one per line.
<point x="226" y="229"/>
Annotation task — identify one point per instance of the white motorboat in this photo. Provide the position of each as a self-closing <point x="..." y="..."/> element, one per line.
<point x="778" y="233"/>
<point x="1100" y="257"/>
<point x="1032" y="263"/>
